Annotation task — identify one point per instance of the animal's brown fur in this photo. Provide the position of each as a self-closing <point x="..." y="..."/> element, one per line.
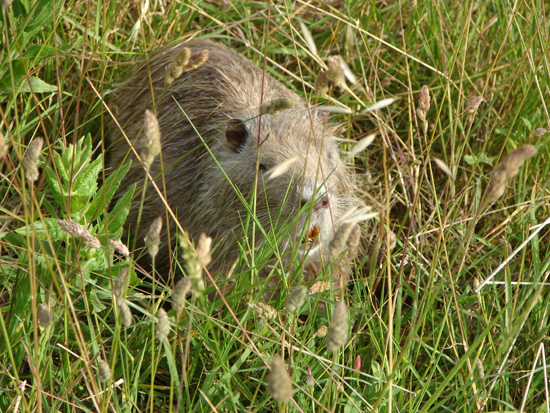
<point x="204" y="102"/>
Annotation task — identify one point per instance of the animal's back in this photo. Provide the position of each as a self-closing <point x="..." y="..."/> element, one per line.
<point x="194" y="111"/>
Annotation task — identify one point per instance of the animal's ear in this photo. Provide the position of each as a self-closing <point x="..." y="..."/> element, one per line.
<point x="236" y="135"/>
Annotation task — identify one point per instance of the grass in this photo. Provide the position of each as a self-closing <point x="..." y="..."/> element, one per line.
<point x="422" y="335"/>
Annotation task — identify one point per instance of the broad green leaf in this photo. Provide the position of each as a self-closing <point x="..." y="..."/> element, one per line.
<point x="37" y="86"/>
<point x="482" y="158"/>
<point x="101" y="200"/>
<point x="58" y="194"/>
<point x="85" y="183"/>
<point x="44" y="230"/>
<point x="61" y="167"/>
<point x="117" y="217"/>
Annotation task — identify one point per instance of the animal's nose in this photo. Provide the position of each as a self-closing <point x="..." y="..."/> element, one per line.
<point x="322" y="203"/>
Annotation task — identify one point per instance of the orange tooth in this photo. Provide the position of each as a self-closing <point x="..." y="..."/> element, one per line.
<point x="313" y="232"/>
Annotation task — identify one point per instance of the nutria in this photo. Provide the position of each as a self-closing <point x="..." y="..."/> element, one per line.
<point x="213" y="111"/>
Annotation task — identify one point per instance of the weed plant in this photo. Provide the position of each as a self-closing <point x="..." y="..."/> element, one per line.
<point x="449" y="301"/>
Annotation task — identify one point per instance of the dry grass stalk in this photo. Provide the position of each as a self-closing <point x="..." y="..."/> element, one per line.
<point x="3" y="146"/>
<point x="152" y="239"/>
<point x="337" y="335"/>
<point x="278" y="380"/>
<point x="508" y="168"/>
<point x="31" y="158"/>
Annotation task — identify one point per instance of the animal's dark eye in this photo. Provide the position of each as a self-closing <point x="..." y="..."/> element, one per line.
<point x="262" y="167"/>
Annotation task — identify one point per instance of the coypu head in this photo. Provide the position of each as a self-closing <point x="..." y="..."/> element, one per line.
<point x="315" y="186"/>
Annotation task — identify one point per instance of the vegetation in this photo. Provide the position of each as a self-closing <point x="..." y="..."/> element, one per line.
<point x="448" y="308"/>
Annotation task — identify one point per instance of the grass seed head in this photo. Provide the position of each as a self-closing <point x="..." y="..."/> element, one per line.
<point x="357" y="364"/>
<point x="184" y="62"/>
<point x="472" y="104"/>
<point x="353" y="241"/>
<point x="120" y="247"/>
<point x="119" y="284"/>
<point x="196" y="259"/>
<point x="31" y="158"/>
<point x="182" y="287"/>
<point x="203" y="250"/>
<point x="321" y="332"/>
<point x="321" y="83"/>
<point x="335" y="72"/>
<point x="319" y="287"/>
<point x="149" y="140"/>
<point x="508" y="168"/>
<point x="196" y="60"/>
<point x="77" y="230"/>
<point x="276" y="106"/>
<point x="296" y="298"/>
<point x="347" y="236"/>
<point x="44" y="315"/>
<point x="264" y="311"/>
<point x="125" y="313"/>
<point x="337" y="335"/>
<point x="91" y="241"/>
<point x="72" y="228"/>
<point x="278" y="380"/>
<point x="537" y="132"/>
<point x="480" y="369"/>
<point x="152" y="239"/>
<point x="176" y="67"/>
<point x="334" y="76"/>
<point x="424" y="101"/>
<point x="310" y="383"/>
<point x="423" y="106"/>
<point x="103" y="371"/>
<point x="163" y="325"/>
